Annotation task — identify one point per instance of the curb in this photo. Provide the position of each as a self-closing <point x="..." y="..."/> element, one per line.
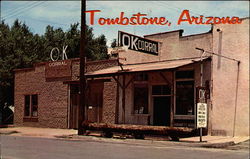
<point x="162" y="143"/>
<point x="7" y="126"/>
<point x="219" y="145"/>
<point x="189" y="144"/>
<point x="8" y="132"/>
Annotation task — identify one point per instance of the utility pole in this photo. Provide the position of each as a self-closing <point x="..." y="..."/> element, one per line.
<point x="81" y="108"/>
<point x="1" y="11"/>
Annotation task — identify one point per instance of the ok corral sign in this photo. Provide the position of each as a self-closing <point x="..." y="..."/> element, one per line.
<point x="137" y="43"/>
<point x="201" y="115"/>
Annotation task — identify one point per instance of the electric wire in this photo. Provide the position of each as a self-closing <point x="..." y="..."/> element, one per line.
<point x="23" y="10"/>
<point x="16" y="10"/>
<point x="11" y="10"/>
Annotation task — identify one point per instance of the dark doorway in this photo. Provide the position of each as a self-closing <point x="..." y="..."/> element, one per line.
<point x="95" y="102"/>
<point x="74" y="104"/>
<point x="162" y="110"/>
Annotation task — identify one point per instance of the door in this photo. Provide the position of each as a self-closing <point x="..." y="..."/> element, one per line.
<point x="161" y="110"/>
<point x="74" y="104"/>
<point x="95" y="102"/>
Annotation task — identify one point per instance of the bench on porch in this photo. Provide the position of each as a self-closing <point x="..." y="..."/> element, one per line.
<point x="139" y="131"/>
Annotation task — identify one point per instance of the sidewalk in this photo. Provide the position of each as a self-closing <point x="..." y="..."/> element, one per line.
<point x="36" y="132"/>
<point x="69" y="134"/>
<point x="216" y="141"/>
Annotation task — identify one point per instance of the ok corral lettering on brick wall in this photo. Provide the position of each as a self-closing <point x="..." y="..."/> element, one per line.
<point x="137" y="43"/>
<point x="58" y="69"/>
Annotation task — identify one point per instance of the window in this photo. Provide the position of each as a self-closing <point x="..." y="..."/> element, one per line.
<point x="185" y="97"/>
<point x="184" y="92"/>
<point x="141" y="77"/>
<point x="184" y="74"/>
<point x="161" y="90"/>
<point x="27" y="106"/>
<point x="31" y="105"/>
<point x="140" y="99"/>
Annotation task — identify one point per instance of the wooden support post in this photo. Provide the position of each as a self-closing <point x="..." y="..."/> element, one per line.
<point x="118" y="82"/>
<point x="123" y="87"/>
<point x="129" y="81"/>
<point x="117" y="103"/>
<point x="123" y="99"/>
<point x="172" y="101"/>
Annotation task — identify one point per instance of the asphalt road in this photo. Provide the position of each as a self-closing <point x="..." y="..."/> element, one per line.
<point x="13" y="147"/>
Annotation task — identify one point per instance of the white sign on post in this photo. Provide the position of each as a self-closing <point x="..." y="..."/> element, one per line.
<point x="201" y="115"/>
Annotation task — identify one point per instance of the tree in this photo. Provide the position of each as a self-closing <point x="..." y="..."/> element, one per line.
<point x="20" y="48"/>
<point x="114" y="43"/>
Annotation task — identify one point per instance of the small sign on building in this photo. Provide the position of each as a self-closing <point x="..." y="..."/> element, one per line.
<point x="202" y="94"/>
<point x="137" y="43"/>
<point x="58" y="69"/>
<point x="201" y="115"/>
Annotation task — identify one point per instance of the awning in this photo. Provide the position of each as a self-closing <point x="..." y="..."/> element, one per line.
<point x="143" y="67"/>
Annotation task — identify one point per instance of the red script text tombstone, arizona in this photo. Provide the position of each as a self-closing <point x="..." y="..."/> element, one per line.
<point x="136" y="19"/>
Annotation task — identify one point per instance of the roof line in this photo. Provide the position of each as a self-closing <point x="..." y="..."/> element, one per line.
<point x="73" y="59"/>
<point x="180" y="30"/>
<point x="209" y="32"/>
<point x="189" y="58"/>
<point x="129" y="72"/>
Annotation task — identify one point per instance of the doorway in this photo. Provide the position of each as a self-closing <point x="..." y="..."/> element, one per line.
<point x="95" y="102"/>
<point x="74" y="104"/>
<point x="161" y="110"/>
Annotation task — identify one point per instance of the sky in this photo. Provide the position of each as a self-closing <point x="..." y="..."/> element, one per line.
<point x="38" y="14"/>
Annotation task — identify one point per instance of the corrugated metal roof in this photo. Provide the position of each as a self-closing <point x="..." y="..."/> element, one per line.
<point x="142" y="67"/>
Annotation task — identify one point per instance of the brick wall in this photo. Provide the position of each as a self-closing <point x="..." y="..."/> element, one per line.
<point x="53" y="101"/>
<point x="91" y="66"/>
<point x="109" y="101"/>
<point x="52" y="98"/>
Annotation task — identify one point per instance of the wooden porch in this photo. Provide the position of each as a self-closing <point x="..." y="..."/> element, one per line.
<point x="138" y="131"/>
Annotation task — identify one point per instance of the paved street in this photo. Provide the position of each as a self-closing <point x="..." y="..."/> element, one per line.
<point x="17" y="147"/>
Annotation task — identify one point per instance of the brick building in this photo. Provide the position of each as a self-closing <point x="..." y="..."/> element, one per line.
<point x="150" y="89"/>
<point x="46" y="95"/>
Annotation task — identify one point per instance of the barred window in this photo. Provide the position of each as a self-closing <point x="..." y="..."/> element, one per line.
<point x="140" y="99"/>
<point x="31" y="105"/>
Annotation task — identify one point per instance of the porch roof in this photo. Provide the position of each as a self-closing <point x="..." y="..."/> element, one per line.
<point x="143" y="67"/>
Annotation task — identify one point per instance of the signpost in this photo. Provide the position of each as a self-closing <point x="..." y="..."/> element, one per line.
<point x="201" y="115"/>
<point x="201" y="105"/>
<point x="137" y="43"/>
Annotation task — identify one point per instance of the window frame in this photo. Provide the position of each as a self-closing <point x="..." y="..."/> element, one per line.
<point x="30" y="117"/>
<point x="134" y="86"/>
<point x="179" y="116"/>
<point x="140" y="82"/>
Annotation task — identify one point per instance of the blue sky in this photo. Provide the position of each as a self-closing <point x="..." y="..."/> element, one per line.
<point x="38" y="14"/>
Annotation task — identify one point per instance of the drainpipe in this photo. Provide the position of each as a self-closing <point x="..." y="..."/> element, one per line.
<point x="219" y="48"/>
<point x="236" y="97"/>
